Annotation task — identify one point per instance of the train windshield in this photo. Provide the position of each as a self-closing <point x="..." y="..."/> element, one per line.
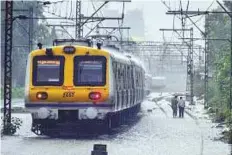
<point x="90" y="71"/>
<point x="48" y="71"/>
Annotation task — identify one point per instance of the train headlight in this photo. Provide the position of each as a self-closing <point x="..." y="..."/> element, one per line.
<point x="42" y="95"/>
<point x="91" y="113"/>
<point x="43" y="113"/>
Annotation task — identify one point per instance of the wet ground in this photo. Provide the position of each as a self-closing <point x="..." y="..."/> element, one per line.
<point x="156" y="133"/>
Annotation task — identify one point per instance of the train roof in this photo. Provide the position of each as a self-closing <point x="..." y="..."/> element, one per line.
<point x="123" y="57"/>
<point x="114" y="52"/>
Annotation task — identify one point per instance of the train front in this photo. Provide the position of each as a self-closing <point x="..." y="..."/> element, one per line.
<point x="67" y="84"/>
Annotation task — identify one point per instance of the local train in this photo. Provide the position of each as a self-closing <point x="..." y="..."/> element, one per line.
<point x="71" y="84"/>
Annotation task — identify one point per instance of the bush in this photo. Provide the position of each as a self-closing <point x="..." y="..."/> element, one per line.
<point x="198" y="89"/>
<point x="220" y="117"/>
<point x="11" y="128"/>
<point x="227" y="136"/>
<point x="17" y="92"/>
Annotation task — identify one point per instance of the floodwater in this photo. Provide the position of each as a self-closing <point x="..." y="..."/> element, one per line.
<point x="155" y="133"/>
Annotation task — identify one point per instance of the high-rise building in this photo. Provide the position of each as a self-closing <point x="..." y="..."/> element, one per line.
<point x="135" y="20"/>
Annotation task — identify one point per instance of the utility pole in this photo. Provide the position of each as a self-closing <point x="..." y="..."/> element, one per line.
<point x="30" y="33"/>
<point x="206" y="48"/>
<point x="8" y="59"/>
<point x="79" y="28"/>
<point x="189" y="81"/>
<point x="230" y="15"/>
<point x="196" y="13"/>
<point x="81" y="20"/>
<point x="191" y="66"/>
<point x="8" y="62"/>
<point x="206" y="83"/>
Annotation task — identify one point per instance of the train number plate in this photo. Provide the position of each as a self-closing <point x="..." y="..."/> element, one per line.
<point x="68" y="94"/>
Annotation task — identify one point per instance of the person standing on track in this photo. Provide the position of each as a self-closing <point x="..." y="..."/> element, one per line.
<point x="181" y="105"/>
<point x="174" y="103"/>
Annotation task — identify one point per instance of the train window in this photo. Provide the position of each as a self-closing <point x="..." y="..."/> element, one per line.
<point x="115" y="69"/>
<point x="126" y="78"/>
<point x="123" y="77"/>
<point x="115" y="73"/>
<point x="118" y="72"/>
<point x="48" y="71"/>
<point x="90" y="71"/>
<point x="119" y="76"/>
<point x="132" y="77"/>
<point x="137" y="78"/>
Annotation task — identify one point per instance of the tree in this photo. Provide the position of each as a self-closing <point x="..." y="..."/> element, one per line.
<point x="20" y="50"/>
<point x="219" y="85"/>
<point x="228" y="4"/>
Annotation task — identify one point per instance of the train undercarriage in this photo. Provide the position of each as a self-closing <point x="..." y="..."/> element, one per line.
<point x="68" y="125"/>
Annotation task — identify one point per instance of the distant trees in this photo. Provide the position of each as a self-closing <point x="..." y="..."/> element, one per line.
<point x="20" y="50"/>
<point x="228" y="4"/>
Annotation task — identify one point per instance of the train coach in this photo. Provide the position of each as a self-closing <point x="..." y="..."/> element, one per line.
<point x="73" y="84"/>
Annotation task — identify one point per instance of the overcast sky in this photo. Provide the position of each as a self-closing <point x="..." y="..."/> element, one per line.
<point x="155" y="16"/>
<point x="154" y="12"/>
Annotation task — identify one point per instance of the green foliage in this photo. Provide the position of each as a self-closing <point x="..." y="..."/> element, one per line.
<point x="219" y="56"/>
<point x="17" y="92"/>
<point x="11" y="128"/>
<point x="20" y="50"/>
<point x="228" y="4"/>
<point x="198" y="87"/>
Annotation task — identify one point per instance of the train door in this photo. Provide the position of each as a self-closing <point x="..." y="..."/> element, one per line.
<point x="116" y="86"/>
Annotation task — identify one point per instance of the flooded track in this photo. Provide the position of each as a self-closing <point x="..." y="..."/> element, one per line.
<point x="154" y="133"/>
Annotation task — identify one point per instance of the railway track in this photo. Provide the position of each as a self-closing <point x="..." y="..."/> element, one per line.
<point x="197" y="124"/>
<point x="162" y="109"/>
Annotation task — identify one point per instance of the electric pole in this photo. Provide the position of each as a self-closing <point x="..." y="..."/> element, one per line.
<point x="189" y="81"/>
<point x="79" y="29"/>
<point x="196" y="13"/>
<point x="81" y="20"/>
<point x="30" y="33"/>
<point x="8" y="62"/>
<point x="206" y="83"/>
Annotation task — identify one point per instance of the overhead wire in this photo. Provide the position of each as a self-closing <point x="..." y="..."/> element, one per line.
<point x="98" y="15"/>
<point x="120" y="25"/>
<point x="199" y="19"/>
<point x="59" y="12"/>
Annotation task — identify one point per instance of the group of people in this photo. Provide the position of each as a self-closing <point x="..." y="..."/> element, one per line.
<point x="178" y="103"/>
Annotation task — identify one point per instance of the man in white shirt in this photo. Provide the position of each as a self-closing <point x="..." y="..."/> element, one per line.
<point x="181" y="105"/>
